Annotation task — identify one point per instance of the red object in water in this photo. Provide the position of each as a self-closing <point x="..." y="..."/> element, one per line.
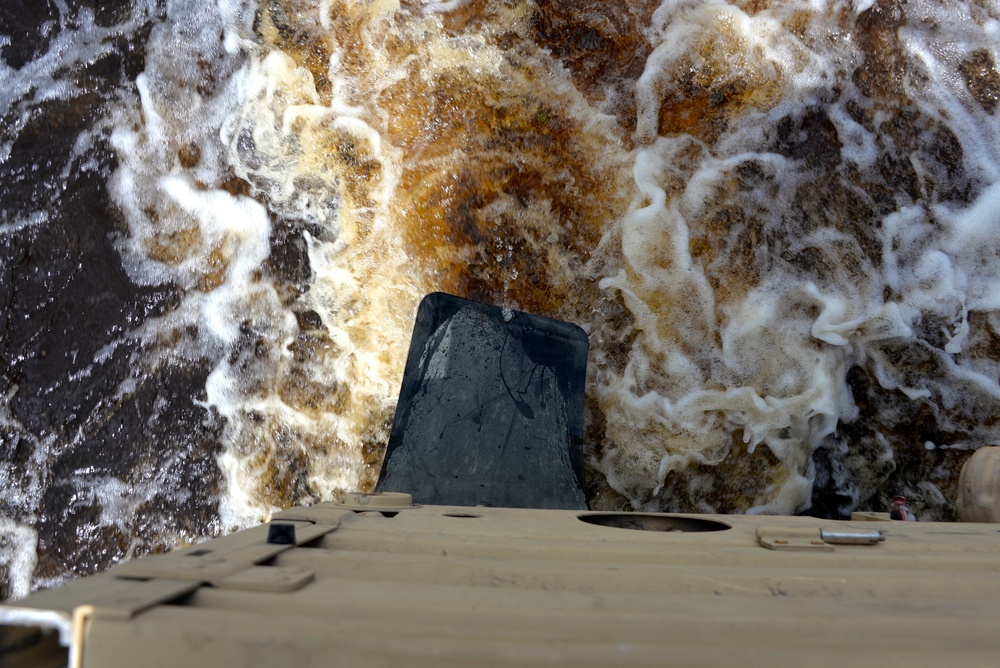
<point x="899" y="510"/>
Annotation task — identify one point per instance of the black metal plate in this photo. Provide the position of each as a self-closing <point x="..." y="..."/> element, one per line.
<point x="491" y="409"/>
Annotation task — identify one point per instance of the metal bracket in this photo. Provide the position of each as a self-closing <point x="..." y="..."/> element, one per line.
<point x="235" y="568"/>
<point x="322" y="513"/>
<point x="379" y="501"/>
<point x="268" y="578"/>
<point x="788" y="538"/>
<point x="817" y="540"/>
<point x="129" y="600"/>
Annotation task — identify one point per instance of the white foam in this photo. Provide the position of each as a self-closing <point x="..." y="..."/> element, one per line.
<point x="216" y="243"/>
<point x="433" y="7"/>
<point x="18" y="544"/>
<point x="23" y="486"/>
<point x="765" y="357"/>
<point x="857" y="143"/>
<point x="859" y="6"/>
<point x="76" y="43"/>
<point x="784" y="369"/>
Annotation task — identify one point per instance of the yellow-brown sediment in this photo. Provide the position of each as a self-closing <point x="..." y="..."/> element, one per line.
<point x="485" y="173"/>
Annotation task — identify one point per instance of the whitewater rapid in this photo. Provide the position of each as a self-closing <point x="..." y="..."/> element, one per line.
<point x="776" y="221"/>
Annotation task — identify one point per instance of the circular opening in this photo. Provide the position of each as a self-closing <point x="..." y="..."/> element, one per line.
<point x="642" y="522"/>
<point x="460" y="515"/>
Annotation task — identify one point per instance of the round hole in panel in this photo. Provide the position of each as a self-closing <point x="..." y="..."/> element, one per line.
<point x="653" y="522"/>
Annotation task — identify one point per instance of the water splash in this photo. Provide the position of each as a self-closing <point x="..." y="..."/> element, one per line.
<point x="804" y="169"/>
<point x="408" y="154"/>
<point x="775" y="221"/>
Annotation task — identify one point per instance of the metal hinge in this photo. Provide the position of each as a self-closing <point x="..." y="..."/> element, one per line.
<point x="820" y="540"/>
<point x="126" y="599"/>
<point x="237" y="567"/>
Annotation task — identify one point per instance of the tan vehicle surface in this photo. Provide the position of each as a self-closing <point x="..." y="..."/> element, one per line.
<point x="379" y="581"/>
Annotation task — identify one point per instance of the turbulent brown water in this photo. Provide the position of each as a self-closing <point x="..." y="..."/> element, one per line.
<point x="777" y="221"/>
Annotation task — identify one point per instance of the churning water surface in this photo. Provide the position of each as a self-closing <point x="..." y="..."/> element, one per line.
<point x="778" y="221"/>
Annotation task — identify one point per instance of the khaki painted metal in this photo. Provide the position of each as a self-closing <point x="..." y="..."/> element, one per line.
<point x="979" y="487"/>
<point x="377" y="581"/>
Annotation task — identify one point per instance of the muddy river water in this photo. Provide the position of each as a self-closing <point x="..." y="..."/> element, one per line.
<point x="778" y="222"/>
